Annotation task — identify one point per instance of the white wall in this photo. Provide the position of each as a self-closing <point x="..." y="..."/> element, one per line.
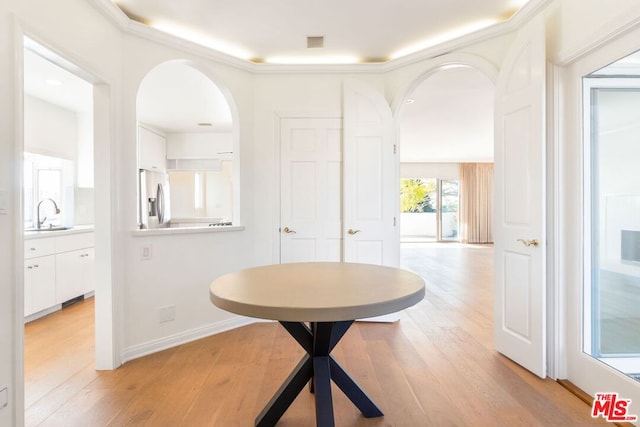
<point x="579" y="23"/>
<point x="182" y="265"/>
<point x="430" y="170"/>
<point x="49" y="129"/>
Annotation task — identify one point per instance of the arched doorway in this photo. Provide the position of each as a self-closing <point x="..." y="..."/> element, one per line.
<point x="445" y="129"/>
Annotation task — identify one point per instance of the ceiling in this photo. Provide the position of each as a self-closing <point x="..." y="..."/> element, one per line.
<point x="449" y="119"/>
<point x="45" y="80"/>
<point x="354" y="31"/>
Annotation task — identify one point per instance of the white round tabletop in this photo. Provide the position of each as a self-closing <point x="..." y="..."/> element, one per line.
<point x="317" y="291"/>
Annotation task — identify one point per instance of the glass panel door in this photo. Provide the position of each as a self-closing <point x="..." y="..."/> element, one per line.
<point x="611" y="331"/>
<point x="449" y="206"/>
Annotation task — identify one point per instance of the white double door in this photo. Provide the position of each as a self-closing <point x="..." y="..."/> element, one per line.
<point x="339" y="192"/>
<point x="311" y="189"/>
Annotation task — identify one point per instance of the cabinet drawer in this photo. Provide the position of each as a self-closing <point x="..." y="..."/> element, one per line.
<point x="73" y="242"/>
<point x="39" y="247"/>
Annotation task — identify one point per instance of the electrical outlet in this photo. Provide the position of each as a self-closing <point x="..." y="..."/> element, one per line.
<point x="145" y="253"/>
<point x="166" y="313"/>
<point x="4" y="398"/>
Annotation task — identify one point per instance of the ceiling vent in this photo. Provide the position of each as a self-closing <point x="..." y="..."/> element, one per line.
<point x="315" y="42"/>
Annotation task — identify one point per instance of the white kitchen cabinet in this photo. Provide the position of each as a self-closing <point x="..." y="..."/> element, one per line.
<point x="39" y="284"/>
<point x="57" y="268"/>
<point x="74" y="274"/>
<point x="152" y="148"/>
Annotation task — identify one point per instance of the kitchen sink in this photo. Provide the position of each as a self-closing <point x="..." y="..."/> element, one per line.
<point x="55" y="228"/>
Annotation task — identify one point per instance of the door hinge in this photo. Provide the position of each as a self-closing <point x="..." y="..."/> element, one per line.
<point x="394" y="148"/>
<point x="394" y="221"/>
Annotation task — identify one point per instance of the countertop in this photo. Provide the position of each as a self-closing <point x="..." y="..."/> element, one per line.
<point x="44" y="234"/>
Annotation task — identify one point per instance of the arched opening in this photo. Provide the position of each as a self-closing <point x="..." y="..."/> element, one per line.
<point x="446" y="137"/>
<point x="187" y="137"/>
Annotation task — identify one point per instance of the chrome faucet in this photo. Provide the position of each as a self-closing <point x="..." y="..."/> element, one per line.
<point x="45" y="218"/>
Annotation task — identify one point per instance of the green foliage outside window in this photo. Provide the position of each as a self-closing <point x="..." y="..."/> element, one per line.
<point x="416" y="195"/>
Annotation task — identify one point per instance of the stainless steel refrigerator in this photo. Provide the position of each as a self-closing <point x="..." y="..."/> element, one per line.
<point x="155" y="196"/>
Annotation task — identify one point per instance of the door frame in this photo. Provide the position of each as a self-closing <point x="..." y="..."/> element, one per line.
<point x="107" y="334"/>
<point x="569" y="259"/>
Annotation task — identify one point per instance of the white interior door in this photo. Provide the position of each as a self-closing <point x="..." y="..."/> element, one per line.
<point x="311" y="189"/>
<point x="520" y="329"/>
<point x="371" y="194"/>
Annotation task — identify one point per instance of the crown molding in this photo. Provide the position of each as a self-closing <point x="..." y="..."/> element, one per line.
<point x="610" y="31"/>
<point x="128" y="26"/>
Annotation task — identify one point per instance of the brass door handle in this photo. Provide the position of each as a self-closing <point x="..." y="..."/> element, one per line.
<point x="528" y="243"/>
<point x="288" y="230"/>
<point x="352" y="231"/>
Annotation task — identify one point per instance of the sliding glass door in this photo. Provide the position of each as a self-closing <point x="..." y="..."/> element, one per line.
<point x="430" y="209"/>
<point x="448" y="212"/>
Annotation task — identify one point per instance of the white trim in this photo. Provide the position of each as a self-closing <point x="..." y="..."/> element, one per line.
<point x="39" y="314"/>
<point x="184" y="230"/>
<point x="108" y="335"/>
<point x="195" y="334"/>
<point x="17" y="394"/>
<point x="556" y="299"/>
<point x="555" y="296"/>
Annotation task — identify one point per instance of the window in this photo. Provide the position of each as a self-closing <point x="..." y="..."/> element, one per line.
<point x="46" y="180"/>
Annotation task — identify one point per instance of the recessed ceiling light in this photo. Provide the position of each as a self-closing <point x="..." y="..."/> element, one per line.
<point x="53" y="82"/>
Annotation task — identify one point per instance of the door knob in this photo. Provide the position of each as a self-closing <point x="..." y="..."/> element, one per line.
<point x="528" y="243"/>
<point x="288" y="230"/>
<point x="352" y="231"/>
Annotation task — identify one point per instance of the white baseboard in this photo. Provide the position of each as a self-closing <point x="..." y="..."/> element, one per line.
<point x="42" y="313"/>
<point x="160" y="344"/>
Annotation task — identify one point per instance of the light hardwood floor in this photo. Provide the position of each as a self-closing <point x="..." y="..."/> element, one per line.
<point x="436" y="367"/>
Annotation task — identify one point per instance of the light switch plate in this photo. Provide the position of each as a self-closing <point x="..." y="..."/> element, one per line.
<point x="146" y="253"/>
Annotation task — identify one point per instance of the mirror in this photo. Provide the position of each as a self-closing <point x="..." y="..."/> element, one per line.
<point x="611" y="117"/>
<point x="185" y="149"/>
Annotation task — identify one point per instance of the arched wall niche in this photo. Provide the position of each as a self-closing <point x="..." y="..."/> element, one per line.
<point x="188" y="145"/>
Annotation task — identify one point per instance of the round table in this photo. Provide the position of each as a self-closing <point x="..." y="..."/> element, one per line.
<point x="328" y="295"/>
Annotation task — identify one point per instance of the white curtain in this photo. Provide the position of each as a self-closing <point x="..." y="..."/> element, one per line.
<point x="476" y="202"/>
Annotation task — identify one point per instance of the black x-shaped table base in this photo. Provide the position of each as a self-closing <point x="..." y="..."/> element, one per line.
<point x="319" y="368"/>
